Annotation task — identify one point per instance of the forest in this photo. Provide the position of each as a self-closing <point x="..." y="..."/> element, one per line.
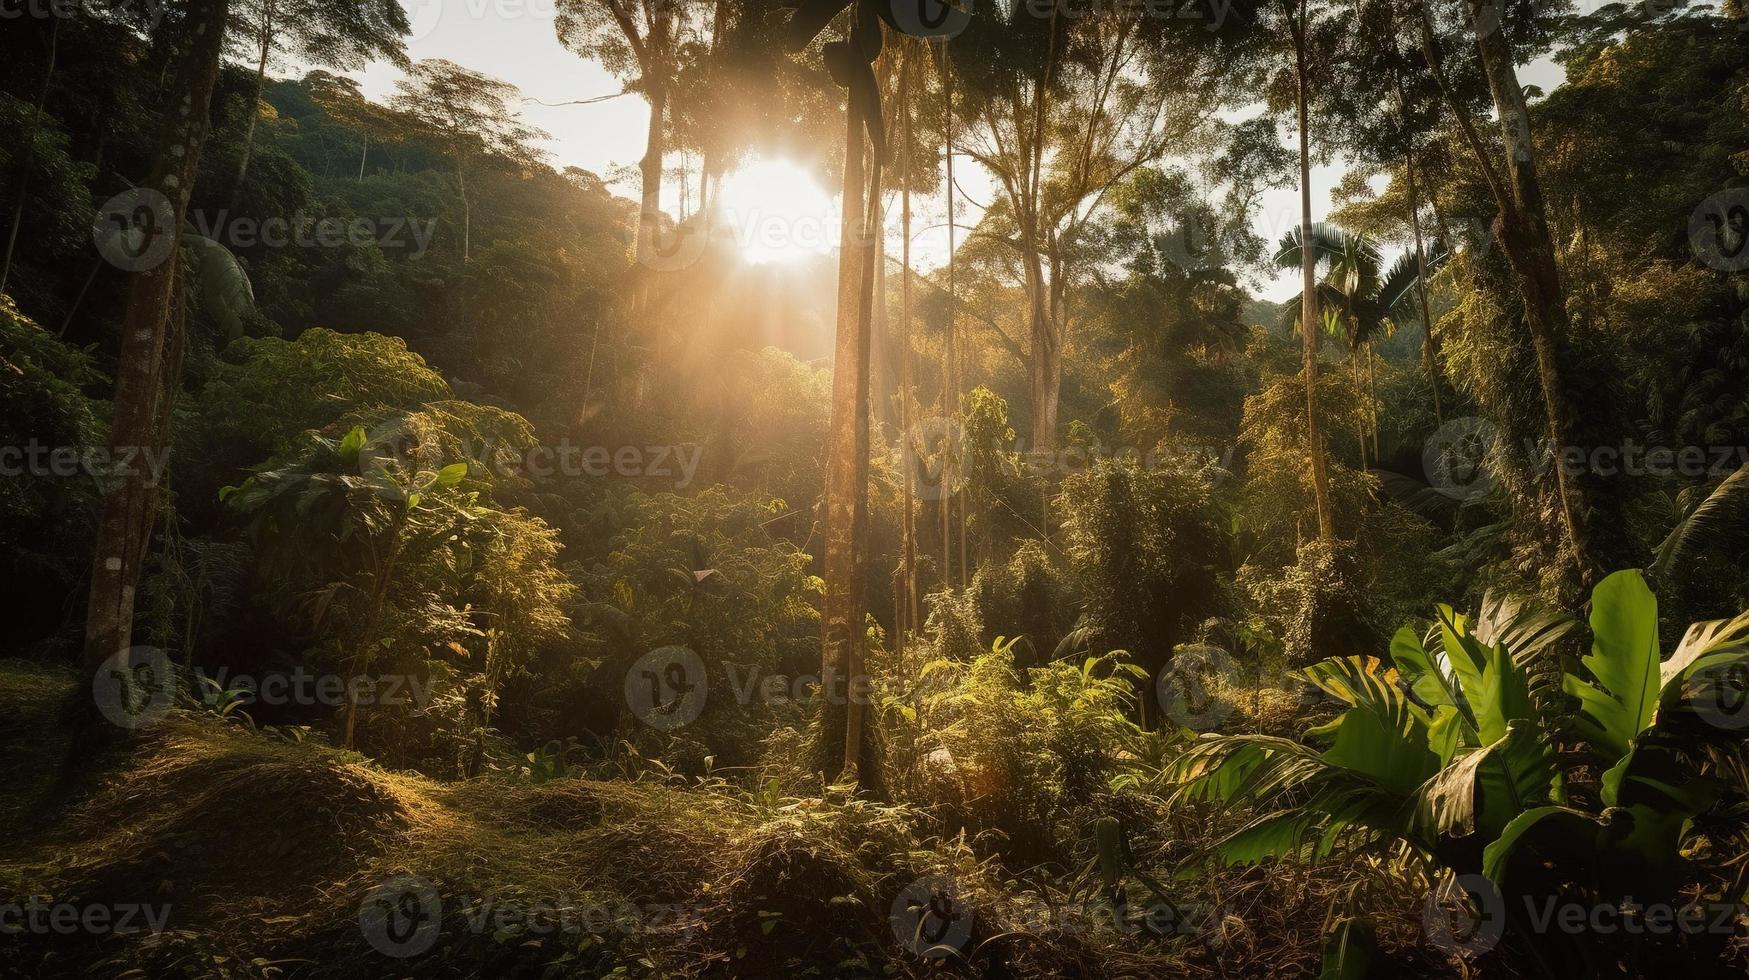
<point x="874" y="488"/>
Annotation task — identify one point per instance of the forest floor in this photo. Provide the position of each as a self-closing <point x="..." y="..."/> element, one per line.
<point x="234" y="852"/>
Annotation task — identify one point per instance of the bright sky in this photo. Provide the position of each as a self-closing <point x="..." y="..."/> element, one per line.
<point x="514" y="40"/>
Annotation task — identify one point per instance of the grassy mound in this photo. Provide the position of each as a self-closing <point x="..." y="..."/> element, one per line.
<point x="275" y="857"/>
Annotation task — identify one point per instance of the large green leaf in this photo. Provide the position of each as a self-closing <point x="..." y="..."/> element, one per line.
<point x="1420" y="672"/>
<point x="1707" y="646"/>
<point x="1575" y="830"/>
<point x="1488" y="787"/>
<point x="1621" y="698"/>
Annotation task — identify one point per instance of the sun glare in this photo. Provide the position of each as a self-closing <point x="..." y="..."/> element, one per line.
<point x="778" y="212"/>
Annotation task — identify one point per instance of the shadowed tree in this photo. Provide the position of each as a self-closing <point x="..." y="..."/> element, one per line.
<point x="1583" y="506"/>
<point x="149" y="362"/>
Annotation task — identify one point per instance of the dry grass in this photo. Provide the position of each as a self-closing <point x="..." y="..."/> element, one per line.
<point x="266" y="851"/>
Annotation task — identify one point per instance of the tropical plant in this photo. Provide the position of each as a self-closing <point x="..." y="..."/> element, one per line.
<point x="1448" y="756"/>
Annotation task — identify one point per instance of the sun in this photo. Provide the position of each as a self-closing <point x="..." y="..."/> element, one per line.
<point x="777" y="212"/>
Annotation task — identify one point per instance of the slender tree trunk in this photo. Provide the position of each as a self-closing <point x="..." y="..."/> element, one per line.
<point x="148" y="364"/>
<point x="908" y="543"/>
<point x="650" y="168"/>
<point x="949" y="376"/>
<point x="461" y="186"/>
<point x="42" y="96"/>
<point x="846" y="476"/>
<point x="1430" y="340"/>
<point x="363" y="154"/>
<point x="1046" y="369"/>
<point x="1530" y="251"/>
<point x="1310" y="326"/>
<point x="254" y="104"/>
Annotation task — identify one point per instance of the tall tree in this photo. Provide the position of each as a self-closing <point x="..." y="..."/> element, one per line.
<point x="1583" y="506"/>
<point x="1060" y="110"/>
<point x="471" y="115"/>
<point x="641" y="42"/>
<point x="342" y="34"/>
<point x="845" y="738"/>
<point x="149" y="362"/>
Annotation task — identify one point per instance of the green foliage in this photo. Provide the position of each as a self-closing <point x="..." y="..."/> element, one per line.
<point x="46" y="515"/>
<point x="1144" y="546"/>
<point x="1448" y="756"/>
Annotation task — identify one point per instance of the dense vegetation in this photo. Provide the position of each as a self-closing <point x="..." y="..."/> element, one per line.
<point x="428" y="558"/>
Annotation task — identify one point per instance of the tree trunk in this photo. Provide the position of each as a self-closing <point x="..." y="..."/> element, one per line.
<point x="1310" y="326"/>
<point x="363" y="154"/>
<point x="1524" y="235"/>
<point x="1430" y="341"/>
<point x="908" y="533"/>
<point x="42" y="96"/>
<point x="149" y="363"/>
<point x="650" y="168"/>
<point x="254" y="104"/>
<point x="846" y="479"/>
<point x="461" y="186"/>
<point x="949" y="379"/>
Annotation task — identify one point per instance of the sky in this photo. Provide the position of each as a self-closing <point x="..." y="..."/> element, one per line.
<point x="514" y="40"/>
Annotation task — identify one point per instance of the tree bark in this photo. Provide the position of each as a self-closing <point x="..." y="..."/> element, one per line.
<point x="650" y="168"/>
<point x="949" y="376"/>
<point x="846" y="477"/>
<point x="148" y="366"/>
<point x="908" y="533"/>
<point x="1430" y="340"/>
<point x="1310" y="326"/>
<point x="1524" y="235"/>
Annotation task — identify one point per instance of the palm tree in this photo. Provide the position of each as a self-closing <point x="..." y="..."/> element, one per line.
<point x="1360" y="301"/>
